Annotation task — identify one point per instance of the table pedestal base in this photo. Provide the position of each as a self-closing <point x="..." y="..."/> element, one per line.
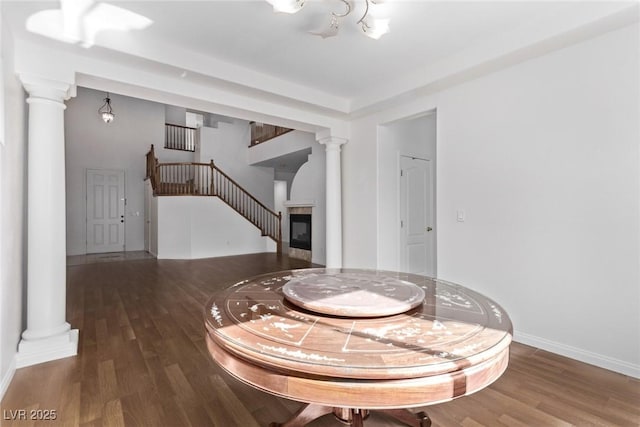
<point x="352" y="417"/>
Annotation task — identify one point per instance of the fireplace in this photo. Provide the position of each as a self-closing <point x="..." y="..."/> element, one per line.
<point x="300" y="231"/>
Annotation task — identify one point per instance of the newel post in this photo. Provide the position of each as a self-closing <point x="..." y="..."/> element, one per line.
<point x="279" y="245"/>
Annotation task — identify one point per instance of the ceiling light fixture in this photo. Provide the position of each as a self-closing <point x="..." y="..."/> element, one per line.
<point x="286" y="6"/>
<point x="371" y="26"/>
<point x="106" y="112"/>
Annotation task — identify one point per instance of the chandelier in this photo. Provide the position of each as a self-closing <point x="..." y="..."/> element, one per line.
<point x="369" y="25"/>
<point x="106" y="112"/>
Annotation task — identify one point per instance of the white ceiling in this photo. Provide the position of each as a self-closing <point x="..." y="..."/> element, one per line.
<point x="422" y="32"/>
<point x="244" y="42"/>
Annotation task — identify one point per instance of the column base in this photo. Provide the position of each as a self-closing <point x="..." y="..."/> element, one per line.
<point x="32" y="352"/>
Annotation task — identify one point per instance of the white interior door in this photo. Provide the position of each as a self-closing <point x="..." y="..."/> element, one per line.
<point x="105" y="210"/>
<point x="417" y="240"/>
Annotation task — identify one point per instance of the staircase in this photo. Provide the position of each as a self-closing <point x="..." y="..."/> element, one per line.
<point x="206" y="179"/>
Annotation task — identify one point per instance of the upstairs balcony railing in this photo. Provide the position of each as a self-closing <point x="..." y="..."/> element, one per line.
<point x="206" y="179"/>
<point x="178" y="137"/>
<point x="261" y="132"/>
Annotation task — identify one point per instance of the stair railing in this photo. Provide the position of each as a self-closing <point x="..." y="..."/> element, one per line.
<point x="206" y="179"/>
<point x="178" y="137"/>
<point x="261" y="132"/>
<point x="269" y="222"/>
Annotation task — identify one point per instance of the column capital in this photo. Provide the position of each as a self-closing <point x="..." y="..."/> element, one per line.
<point x="42" y="88"/>
<point x="332" y="142"/>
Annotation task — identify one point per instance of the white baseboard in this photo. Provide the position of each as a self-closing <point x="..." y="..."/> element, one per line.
<point x="7" y="377"/>
<point x="585" y="356"/>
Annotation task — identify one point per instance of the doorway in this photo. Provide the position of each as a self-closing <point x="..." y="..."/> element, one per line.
<point x="407" y="173"/>
<point x="105" y="211"/>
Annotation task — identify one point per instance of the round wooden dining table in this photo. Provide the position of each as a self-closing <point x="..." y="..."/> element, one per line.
<point x="351" y="341"/>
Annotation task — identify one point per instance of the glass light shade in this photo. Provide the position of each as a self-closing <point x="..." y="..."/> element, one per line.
<point x="376" y="28"/>
<point x="107" y="117"/>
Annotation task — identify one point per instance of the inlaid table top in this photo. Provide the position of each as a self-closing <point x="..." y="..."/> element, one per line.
<point x="267" y="321"/>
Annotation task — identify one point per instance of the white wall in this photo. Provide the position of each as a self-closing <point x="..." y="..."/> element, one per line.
<point x="175" y="115"/>
<point x="286" y="177"/>
<point x="152" y="217"/>
<point x="290" y="142"/>
<point x="360" y="194"/>
<point x="280" y="195"/>
<point x="295" y="141"/>
<point x="544" y="158"/>
<point x="309" y="184"/>
<point x="227" y="146"/>
<point x="122" y="144"/>
<point x="412" y="137"/>
<point x="203" y="227"/>
<point x="12" y="217"/>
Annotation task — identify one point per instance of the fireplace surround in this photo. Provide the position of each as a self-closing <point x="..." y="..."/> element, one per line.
<point x="304" y="211"/>
<point x="300" y="231"/>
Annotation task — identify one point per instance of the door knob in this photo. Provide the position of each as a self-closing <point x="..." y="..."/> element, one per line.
<point x="429" y="228"/>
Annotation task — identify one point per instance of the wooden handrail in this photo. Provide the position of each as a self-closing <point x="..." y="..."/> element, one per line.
<point x="180" y="126"/>
<point x="248" y="194"/>
<point x="206" y="179"/>
<point x="184" y="163"/>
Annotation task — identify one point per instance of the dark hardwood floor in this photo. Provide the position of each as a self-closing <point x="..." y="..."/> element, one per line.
<point x="143" y="362"/>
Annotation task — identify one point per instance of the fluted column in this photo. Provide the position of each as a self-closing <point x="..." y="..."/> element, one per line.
<point x="48" y="335"/>
<point x="333" y="200"/>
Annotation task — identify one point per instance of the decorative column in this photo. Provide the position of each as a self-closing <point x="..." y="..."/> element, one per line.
<point x="48" y="335"/>
<point x="333" y="200"/>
